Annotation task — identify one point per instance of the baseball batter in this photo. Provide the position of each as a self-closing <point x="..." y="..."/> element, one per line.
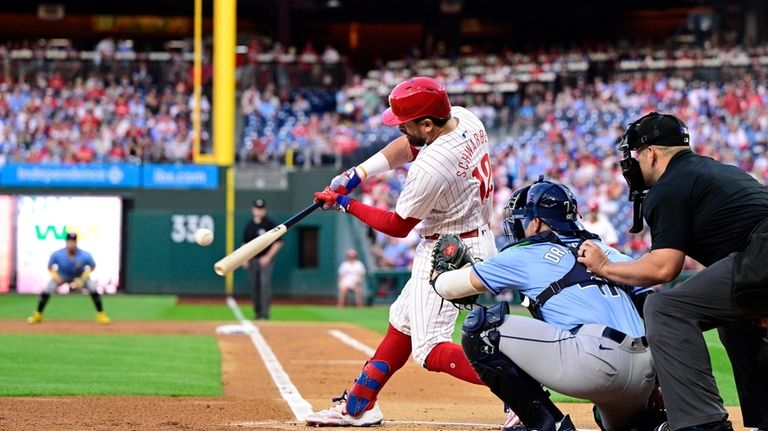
<point x="448" y="189"/>
<point x="587" y="339"/>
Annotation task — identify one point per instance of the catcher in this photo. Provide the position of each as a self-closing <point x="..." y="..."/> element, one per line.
<point x="70" y="265"/>
<point x="586" y="340"/>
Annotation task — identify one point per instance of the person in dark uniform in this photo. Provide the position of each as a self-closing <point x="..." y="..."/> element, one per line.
<point x="261" y="266"/>
<point x="707" y="210"/>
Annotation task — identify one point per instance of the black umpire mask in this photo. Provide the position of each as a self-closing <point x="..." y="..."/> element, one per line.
<point x="633" y="175"/>
<point x="651" y="129"/>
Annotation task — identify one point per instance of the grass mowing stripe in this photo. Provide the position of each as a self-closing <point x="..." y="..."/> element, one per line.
<point x="165" y="307"/>
<point x="119" y="307"/>
<point x="178" y="365"/>
<point x="80" y="306"/>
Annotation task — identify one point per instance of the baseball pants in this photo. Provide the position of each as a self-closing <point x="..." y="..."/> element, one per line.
<point x="420" y="312"/>
<point x="676" y="319"/>
<point x="617" y="377"/>
<point x="50" y="289"/>
<point x="261" y="287"/>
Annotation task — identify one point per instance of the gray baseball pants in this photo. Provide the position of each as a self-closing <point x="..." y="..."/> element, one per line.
<point x="617" y="377"/>
<point x="676" y="319"/>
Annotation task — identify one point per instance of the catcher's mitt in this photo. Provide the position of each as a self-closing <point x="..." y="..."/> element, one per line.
<point x="451" y="253"/>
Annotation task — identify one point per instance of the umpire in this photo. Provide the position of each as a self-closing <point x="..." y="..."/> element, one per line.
<point x="709" y="211"/>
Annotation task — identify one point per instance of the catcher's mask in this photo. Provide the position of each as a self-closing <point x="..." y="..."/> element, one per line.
<point x="551" y="202"/>
<point x="651" y="129"/>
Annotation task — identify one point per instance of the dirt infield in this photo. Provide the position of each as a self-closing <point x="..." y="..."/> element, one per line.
<point x="319" y="365"/>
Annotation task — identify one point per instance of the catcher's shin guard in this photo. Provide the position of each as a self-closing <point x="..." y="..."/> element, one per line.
<point x="524" y="395"/>
<point x="363" y="393"/>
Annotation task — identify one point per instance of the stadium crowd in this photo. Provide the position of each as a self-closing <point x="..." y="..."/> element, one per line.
<point x="554" y="113"/>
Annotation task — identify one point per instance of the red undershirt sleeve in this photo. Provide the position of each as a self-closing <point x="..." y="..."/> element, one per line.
<point x="384" y="221"/>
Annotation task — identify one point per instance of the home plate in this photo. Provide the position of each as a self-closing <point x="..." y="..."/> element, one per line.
<point x="234" y="329"/>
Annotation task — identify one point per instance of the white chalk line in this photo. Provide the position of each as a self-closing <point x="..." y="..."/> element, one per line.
<point x="385" y="422"/>
<point x="351" y="342"/>
<point x="300" y="407"/>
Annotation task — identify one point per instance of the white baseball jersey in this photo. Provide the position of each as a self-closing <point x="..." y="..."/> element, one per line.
<point x="351" y="273"/>
<point x="450" y="183"/>
<point x="449" y="188"/>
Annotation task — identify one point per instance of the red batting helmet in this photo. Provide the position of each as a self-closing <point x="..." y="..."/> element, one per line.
<point x="414" y="98"/>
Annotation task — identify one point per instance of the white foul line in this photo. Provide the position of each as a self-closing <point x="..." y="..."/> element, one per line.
<point x="300" y="407"/>
<point x="349" y="341"/>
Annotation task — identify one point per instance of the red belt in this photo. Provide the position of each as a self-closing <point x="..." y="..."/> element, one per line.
<point x="471" y="234"/>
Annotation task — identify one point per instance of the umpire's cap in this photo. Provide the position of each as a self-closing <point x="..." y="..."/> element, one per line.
<point x="259" y="203"/>
<point x="655" y="129"/>
<point x="71" y="236"/>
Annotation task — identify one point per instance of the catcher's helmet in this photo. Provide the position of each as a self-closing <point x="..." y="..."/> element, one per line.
<point x="551" y="202"/>
<point x="414" y="98"/>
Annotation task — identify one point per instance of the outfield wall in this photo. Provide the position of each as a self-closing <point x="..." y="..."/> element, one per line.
<point x="158" y="253"/>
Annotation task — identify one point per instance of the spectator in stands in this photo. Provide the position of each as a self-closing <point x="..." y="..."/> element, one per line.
<point x="351" y="278"/>
<point x="598" y="223"/>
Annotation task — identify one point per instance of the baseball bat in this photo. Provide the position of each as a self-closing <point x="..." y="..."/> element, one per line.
<point x="255" y="246"/>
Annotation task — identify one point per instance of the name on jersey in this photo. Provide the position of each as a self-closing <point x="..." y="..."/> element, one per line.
<point x="465" y="162"/>
<point x="555" y="254"/>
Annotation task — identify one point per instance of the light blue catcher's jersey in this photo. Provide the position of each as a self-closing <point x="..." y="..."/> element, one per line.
<point x="529" y="269"/>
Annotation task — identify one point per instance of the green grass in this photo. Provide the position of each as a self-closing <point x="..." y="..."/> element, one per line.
<point x="374" y="318"/>
<point x="118" y="307"/>
<point x="166" y="308"/>
<point x="60" y="364"/>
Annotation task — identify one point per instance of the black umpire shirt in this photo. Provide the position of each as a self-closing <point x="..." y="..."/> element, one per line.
<point x="704" y="208"/>
<point x="253" y="229"/>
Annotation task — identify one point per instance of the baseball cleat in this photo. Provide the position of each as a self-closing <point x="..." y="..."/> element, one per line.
<point x="102" y="318"/>
<point x="566" y="424"/>
<point x="513" y="423"/>
<point x="337" y="416"/>
<point x="35" y="318"/>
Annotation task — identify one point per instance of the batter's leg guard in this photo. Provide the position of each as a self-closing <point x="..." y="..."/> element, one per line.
<point x="524" y="395"/>
<point x="363" y="394"/>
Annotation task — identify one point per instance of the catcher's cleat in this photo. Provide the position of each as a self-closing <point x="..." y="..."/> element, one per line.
<point x="564" y="425"/>
<point x="723" y="425"/>
<point x="337" y="416"/>
<point x="35" y="318"/>
<point x="513" y="423"/>
<point x="102" y="318"/>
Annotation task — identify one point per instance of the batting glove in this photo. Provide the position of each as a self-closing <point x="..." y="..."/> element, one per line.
<point x="346" y="182"/>
<point x="333" y="200"/>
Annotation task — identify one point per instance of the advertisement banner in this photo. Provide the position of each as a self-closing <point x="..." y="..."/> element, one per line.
<point x="6" y="242"/>
<point x="181" y="177"/>
<point x="56" y="175"/>
<point x="42" y="224"/>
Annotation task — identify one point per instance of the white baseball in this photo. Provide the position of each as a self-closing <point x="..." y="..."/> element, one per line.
<point x="203" y="237"/>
